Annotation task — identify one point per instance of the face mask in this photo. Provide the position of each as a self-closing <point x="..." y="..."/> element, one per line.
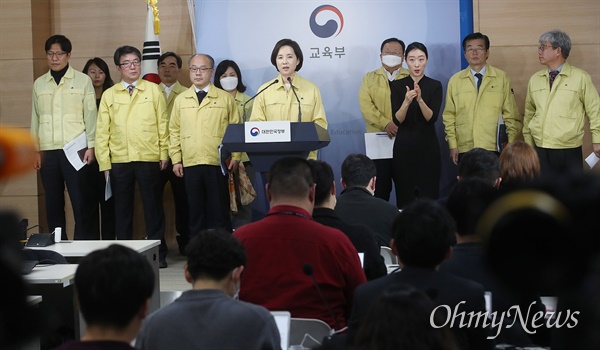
<point x="229" y="83"/>
<point x="391" y="60"/>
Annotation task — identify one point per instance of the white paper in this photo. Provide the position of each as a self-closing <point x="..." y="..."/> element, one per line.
<point x="107" y="189"/>
<point x="72" y="149"/>
<point x="592" y="159"/>
<point x="378" y="145"/>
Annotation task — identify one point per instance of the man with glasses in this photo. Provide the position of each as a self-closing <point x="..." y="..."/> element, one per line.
<point x="376" y="105"/>
<point x="64" y="107"/>
<point x="198" y="122"/>
<point x="559" y="98"/>
<point x="131" y="146"/>
<point x="476" y="98"/>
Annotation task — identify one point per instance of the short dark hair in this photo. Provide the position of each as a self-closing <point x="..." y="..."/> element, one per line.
<point x="323" y="177"/>
<point x="475" y="36"/>
<point x="170" y="54"/>
<point x="108" y="82"/>
<point x="358" y="170"/>
<point x="393" y="40"/>
<point x="222" y="67"/>
<point x="112" y="285"/>
<point x="423" y="232"/>
<point x="467" y="202"/>
<point x="416" y="46"/>
<point x="124" y="50"/>
<point x="213" y="254"/>
<point x="290" y="176"/>
<point x="481" y="164"/>
<point x="291" y="43"/>
<point x="401" y="319"/>
<point x="65" y="44"/>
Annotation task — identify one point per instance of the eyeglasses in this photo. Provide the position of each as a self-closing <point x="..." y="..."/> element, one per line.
<point x="128" y="64"/>
<point x="478" y="48"/>
<point x="543" y="47"/>
<point x="385" y="53"/>
<point x="58" y="54"/>
<point x="202" y="70"/>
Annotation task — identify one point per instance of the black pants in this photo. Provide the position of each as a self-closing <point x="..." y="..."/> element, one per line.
<point x="123" y="179"/>
<point x="208" y="198"/>
<point x="107" y="207"/>
<point x="560" y="161"/>
<point x="182" y="210"/>
<point x="383" y="185"/>
<point x="56" y="171"/>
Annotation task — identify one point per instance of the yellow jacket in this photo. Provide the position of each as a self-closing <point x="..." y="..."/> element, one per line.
<point x="196" y="131"/>
<point x="276" y="103"/>
<point x="374" y="98"/>
<point x="554" y="119"/>
<point x="471" y="118"/>
<point x="177" y="89"/>
<point x="131" y="128"/>
<point x="60" y="113"/>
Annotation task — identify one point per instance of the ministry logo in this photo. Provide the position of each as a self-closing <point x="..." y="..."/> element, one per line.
<point x="331" y="27"/>
<point x="254" y="131"/>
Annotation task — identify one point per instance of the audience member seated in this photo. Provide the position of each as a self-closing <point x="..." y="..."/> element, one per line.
<point x="208" y="316"/>
<point x="400" y="319"/>
<point x="422" y="235"/>
<point x="357" y="204"/>
<point x="480" y="164"/>
<point x="288" y="242"/>
<point x="519" y="164"/>
<point x="362" y="237"/>
<point x="468" y="200"/>
<point x="114" y="286"/>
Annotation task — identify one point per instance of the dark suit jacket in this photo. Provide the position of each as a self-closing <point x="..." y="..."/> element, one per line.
<point x="448" y="290"/>
<point x="356" y="205"/>
<point x="361" y="237"/>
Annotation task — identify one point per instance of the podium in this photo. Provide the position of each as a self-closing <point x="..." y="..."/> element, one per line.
<point x="305" y="137"/>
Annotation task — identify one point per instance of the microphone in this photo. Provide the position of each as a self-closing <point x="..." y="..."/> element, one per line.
<point x="253" y="97"/>
<point x="309" y="271"/>
<point x="297" y="99"/>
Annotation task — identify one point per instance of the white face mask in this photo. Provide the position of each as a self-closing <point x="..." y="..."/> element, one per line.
<point x="391" y="60"/>
<point x="229" y="83"/>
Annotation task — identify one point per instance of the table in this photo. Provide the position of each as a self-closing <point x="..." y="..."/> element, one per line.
<point x="74" y="251"/>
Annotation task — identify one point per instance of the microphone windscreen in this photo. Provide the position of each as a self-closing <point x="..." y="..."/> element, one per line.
<point x="276" y="81"/>
<point x="308" y="269"/>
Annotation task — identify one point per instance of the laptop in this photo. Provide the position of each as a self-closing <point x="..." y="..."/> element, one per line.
<point x="283" y="319"/>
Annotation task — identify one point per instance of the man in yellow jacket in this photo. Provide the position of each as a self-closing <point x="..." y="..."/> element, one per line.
<point x="559" y="98"/>
<point x="169" y="69"/>
<point x="64" y="107"/>
<point x="198" y="122"/>
<point x="476" y="98"/>
<point x="376" y="105"/>
<point x="131" y="145"/>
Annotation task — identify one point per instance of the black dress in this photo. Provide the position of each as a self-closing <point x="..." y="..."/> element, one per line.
<point x="416" y="162"/>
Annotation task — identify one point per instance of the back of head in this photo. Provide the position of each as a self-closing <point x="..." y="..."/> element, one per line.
<point x="481" y="164"/>
<point x="323" y="177"/>
<point x="467" y="201"/>
<point x="112" y="286"/>
<point x="213" y="254"/>
<point x="423" y="233"/>
<point x="519" y="162"/>
<point x="358" y="170"/>
<point x="400" y="319"/>
<point x="290" y="177"/>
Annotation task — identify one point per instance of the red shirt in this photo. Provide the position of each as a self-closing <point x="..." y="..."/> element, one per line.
<point x="278" y="247"/>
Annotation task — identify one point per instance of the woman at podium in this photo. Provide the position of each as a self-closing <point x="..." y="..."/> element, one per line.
<point x="289" y="96"/>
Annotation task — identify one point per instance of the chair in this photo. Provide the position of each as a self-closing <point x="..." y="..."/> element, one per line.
<point x="308" y="332"/>
<point x="388" y="256"/>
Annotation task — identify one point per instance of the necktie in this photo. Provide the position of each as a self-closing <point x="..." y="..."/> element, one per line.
<point x="201" y="94"/>
<point x="479" y="80"/>
<point x="130" y="89"/>
<point x="553" y="76"/>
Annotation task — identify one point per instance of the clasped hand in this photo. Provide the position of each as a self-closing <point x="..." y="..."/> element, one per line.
<point x="412" y="94"/>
